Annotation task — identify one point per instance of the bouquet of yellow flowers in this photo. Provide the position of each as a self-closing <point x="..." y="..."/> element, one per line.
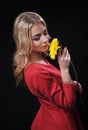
<point x="53" y="49"/>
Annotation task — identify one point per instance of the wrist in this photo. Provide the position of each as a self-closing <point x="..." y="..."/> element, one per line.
<point x="66" y="77"/>
<point x="66" y="70"/>
<point x="68" y="82"/>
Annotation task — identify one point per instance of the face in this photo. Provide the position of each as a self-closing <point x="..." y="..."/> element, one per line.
<point x="40" y="38"/>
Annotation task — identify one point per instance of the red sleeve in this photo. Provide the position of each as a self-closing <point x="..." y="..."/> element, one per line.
<point x="44" y="85"/>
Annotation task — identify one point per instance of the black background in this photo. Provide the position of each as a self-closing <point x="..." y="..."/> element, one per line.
<point x="65" y="20"/>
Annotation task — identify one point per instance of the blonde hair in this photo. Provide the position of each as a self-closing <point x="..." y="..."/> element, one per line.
<point x="22" y="37"/>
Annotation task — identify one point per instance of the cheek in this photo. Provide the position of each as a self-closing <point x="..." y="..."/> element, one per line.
<point x="36" y="44"/>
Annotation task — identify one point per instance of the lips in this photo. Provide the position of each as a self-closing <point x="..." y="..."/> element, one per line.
<point x="45" y="46"/>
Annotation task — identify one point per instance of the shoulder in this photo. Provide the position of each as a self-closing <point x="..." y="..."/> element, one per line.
<point x="35" y="69"/>
<point x="32" y="68"/>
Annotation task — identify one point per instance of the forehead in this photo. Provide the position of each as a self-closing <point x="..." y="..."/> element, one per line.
<point x="37" y="28"/>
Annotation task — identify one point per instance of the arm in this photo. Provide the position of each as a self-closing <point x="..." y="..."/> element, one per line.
<point x="64" y="63"/>
<point x="46" y="86"/>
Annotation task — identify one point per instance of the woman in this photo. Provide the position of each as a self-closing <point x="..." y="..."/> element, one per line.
<point x="54" y="88"/>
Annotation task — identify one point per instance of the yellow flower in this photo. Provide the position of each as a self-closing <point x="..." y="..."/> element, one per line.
<point x="54" y="46"/>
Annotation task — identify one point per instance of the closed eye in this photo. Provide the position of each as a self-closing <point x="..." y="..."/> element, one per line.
<point x="36" y="37"/>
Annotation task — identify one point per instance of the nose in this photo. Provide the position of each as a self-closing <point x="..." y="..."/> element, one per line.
<point x="45" y="38"/>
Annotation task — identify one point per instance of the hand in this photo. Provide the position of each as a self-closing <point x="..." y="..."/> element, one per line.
<point x="79" y="86"/>
<point x="64" y="59"/>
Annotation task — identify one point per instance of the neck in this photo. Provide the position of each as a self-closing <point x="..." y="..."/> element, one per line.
<point x="36" y="57"/>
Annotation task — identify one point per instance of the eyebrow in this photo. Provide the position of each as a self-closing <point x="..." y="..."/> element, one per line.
<point x="36" y="35"/>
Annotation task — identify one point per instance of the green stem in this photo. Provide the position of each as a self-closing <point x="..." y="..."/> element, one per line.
<point x="76" y="76"/>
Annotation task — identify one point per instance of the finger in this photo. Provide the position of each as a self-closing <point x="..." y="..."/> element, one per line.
<point x="68" y="55"/>
<point x="64" y="51"/>
<point x="80" y="87"/>
<point x="60" y="51"/>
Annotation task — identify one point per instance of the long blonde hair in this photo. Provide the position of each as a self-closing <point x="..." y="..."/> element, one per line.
<point x="22" y="37"/>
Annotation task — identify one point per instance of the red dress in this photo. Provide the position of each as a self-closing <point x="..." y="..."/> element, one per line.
<point x="57" y="100"/>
